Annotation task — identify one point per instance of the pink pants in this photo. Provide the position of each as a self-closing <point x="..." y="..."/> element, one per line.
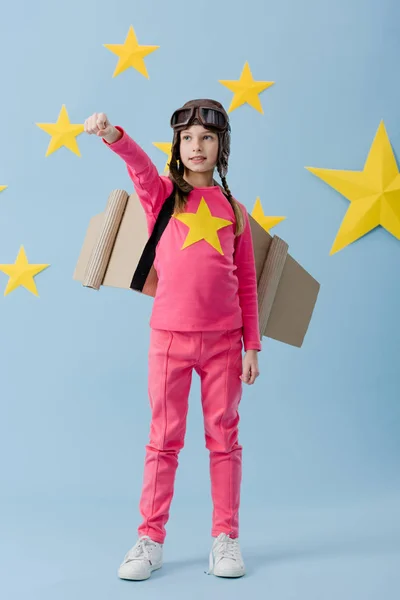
<point x="216" y="357"/>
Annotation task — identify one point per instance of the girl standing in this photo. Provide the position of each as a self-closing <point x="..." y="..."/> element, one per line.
<point x="204" y="312"/>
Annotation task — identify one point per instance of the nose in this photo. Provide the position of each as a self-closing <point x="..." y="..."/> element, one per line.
<point x="196" y="145"/>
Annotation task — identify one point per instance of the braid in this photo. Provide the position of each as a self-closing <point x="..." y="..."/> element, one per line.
<point x="225" y="184"/>
<point x="182" y="187"/>
<point x="236" y="208"/>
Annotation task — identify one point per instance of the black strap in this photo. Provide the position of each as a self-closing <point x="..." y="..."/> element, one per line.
<point x="149" y="252"/>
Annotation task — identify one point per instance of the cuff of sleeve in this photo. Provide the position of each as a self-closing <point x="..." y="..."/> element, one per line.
<point x="118" y="142"/>
<point x="253" y="346"/>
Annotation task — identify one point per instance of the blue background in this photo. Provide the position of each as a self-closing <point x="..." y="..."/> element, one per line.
<point x="320" y="428"/>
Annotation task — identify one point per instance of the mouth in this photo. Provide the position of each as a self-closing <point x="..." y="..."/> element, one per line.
<point x="198" y="159"/>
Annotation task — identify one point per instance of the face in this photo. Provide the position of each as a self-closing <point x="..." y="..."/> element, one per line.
<point x="199" y="149"/>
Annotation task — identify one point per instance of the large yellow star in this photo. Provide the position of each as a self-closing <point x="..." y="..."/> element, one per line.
<point x="266" y="222"/>
<point x="131" y="54"/>
<point x="246" y="89"/>
<point x="167" y="148"/>
<point x="21" y="273"/>
<point x="63" y="133"/>
<point x="203" y="226"/>
<point x="3" y="187"/>
<point x="374" y="193"/>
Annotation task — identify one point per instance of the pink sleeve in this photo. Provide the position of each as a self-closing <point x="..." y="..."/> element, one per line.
<point x="151" y="188"/>
<point x="246" y="273"/>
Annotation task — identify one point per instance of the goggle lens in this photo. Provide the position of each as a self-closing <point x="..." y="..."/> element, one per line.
<point x="212" y="117"/>
<point x="181" y="117"/>
<point x="208" y="116"/>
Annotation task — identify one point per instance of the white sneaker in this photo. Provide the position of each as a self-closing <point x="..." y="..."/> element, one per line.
<point x="143" y="558"/>
<point x="225" y="557"/>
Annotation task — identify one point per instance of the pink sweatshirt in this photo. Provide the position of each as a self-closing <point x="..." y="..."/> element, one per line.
<point x="206" y="275"/>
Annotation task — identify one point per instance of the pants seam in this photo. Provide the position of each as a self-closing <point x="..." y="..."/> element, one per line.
<point x="224" y="430"/>
<point x="165" y="424"/>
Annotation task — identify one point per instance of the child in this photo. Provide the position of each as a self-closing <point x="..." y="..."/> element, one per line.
<point x="206" y="301"/>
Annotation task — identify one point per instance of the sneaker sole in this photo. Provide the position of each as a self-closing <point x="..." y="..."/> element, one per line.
<point x="229" y="573"/>
<point x="138" y="578"/>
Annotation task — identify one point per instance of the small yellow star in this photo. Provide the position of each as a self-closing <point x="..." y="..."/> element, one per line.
<point x="21" y="273"/>
<point x="203" y="226"/>
<point x="167" y="148"/>
<point x="131" y="54"/>
<point x="3" y="187"/>
<point x="266" y="223"/>
<point x="63" y="133"/>
<point x="374" y="193"/>
<point x="246" y="89"/>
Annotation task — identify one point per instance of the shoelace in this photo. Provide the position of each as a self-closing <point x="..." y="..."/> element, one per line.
<point x="228" y="548"/>
<point x="141" y="549"/>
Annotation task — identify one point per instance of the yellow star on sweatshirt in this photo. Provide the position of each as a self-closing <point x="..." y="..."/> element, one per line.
<point x="21" y="273"/>
<point x="203" y="226"/>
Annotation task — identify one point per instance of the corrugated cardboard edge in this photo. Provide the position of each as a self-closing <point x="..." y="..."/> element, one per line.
<point x="100" y="256"/>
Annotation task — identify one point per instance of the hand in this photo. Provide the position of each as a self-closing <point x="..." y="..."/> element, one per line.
<point x="250" y="367"/>
<point x="99" y="124"/>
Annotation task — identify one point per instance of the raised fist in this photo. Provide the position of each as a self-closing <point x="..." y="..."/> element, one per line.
<point x="99" y="124"/>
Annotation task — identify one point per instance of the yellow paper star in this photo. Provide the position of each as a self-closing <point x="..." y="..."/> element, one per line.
<point x="167" y="148"/>
<point x="266" y="222"/>
<point x="374" y="193"/>
<point x="131" y="54"/>
<point x="63" y="133"/>
<point x="21" y="273"/>
<point x="3" y="187"/>
<point x="203" y="226"/>
<point x="246" y="89"/>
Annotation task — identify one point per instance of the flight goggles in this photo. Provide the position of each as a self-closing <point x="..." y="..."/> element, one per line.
<point x="208" y="117"/>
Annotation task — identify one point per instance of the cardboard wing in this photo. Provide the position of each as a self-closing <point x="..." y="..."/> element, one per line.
<point x="114" y="244"/>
